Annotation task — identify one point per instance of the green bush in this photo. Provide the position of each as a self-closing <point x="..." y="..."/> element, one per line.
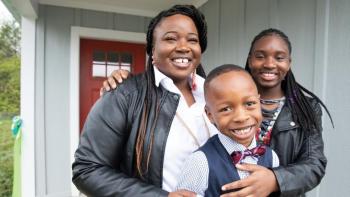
<point x="9" y="99"/>
<point x="6" y="158"/>
<point x="9" y="86"/>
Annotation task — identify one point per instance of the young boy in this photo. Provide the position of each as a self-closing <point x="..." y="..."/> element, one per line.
<point x="233" y="106"/>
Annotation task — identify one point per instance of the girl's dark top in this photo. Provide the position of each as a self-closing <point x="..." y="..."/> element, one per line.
<point x="302" y="159"/>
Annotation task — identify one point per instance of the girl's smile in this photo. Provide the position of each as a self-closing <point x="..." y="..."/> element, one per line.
<point x="269" y="63"/>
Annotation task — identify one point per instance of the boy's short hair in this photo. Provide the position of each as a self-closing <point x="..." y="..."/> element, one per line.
<point x="225" y="68"/>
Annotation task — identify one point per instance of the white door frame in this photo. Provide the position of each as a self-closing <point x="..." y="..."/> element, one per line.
<point x="93" y="33"/>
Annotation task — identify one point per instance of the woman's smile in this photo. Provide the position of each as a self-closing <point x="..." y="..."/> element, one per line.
<point x="182" y="62"/>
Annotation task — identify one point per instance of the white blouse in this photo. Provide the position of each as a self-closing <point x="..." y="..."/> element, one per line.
<point x="180" y="143"/>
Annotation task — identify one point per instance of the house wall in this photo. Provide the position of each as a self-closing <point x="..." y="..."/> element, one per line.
<point x="337" y="94"/>
<point x="53" y="167"/>
<point x="319" y="31"/>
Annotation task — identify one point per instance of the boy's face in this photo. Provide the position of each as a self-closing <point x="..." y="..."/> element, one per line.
<point x="233" y="105"/>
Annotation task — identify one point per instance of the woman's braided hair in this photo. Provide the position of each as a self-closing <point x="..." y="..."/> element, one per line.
<point x="142" y="162"/>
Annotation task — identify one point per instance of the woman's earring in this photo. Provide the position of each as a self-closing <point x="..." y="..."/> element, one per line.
<point x="153" y="60"/>
<point x="194" y="85"/>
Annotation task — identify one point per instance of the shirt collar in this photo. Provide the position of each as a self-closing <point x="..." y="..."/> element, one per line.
<point x="159" y="76"/>
<point x="168" y="84"/>
<point x="231" y="145"/>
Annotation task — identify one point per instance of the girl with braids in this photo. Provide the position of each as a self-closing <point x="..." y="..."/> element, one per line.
<point x="136" y="137"/>
<point x="292" y="122"/>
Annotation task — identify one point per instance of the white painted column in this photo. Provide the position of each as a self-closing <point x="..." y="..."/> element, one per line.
<point x="27" y="106"/>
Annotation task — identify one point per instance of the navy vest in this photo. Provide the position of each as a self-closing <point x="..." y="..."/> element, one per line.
<point x="221" y="168"/>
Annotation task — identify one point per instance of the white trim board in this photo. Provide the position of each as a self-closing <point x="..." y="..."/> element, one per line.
<point x="134" y="7"/>
<point x="28" y="106"/>
<point x="76" y="34"/>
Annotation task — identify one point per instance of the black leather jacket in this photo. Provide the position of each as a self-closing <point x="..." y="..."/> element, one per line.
<point x="105" y="161"/>
<point x="301" y="155"/>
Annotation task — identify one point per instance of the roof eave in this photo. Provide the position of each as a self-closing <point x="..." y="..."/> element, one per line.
<point x="19" y="8"/>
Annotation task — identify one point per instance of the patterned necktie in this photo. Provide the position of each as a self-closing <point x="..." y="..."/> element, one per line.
<point x="238" y="156"/>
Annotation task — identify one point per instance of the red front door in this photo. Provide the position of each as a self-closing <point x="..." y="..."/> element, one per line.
<point x="98" y="59"/>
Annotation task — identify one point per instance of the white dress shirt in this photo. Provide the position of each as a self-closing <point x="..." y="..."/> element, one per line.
<point x="180" y="144"/>
<point x="195" y="173"/>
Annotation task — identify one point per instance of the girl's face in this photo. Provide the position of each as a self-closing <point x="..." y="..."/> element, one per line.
<point x="269" y="62"/>
<point x="176" y="51"/>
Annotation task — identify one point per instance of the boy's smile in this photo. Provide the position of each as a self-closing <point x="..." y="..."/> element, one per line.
<point x="233" y="105"/>
<point x="243" y="131"/>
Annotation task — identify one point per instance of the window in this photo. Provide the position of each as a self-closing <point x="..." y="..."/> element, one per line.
<point x="104" y="63"/>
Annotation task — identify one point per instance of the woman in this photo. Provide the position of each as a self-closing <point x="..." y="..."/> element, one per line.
<point x="130" y="141"/>
<point x="292" y="121"/>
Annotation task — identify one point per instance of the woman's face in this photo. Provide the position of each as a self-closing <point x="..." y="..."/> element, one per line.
<point x="176" y="51"/>
<point x="269" y="62"/>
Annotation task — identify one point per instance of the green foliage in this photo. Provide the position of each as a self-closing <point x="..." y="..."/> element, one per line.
<point x="6" y="158"/>
<point x="9" y="100"/>
<point x="9" y="69"/>
<point x="9" y="86"/>
<point x="9" y="39"/>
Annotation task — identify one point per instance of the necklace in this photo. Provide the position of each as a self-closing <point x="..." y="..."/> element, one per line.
<point x="270" y="117"/>
<point x="272" y="101"/>
<point x="190" y="131"/>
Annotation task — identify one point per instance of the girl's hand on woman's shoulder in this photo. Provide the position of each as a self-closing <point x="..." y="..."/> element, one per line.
<point x="182" y="193"/>
<point x="113" y="80"/>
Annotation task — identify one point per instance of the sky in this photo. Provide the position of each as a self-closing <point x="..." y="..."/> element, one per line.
<point x="4" y="13"/>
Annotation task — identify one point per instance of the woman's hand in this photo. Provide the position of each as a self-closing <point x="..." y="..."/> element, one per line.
<point x="113" y="80"/>
<point x="261" y="182"/>
<point x="182" y="193"/>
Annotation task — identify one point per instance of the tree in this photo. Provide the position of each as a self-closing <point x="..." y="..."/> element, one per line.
<point x="10" y="86"/>
<point x="9" y="99"/>
<point x="9" y="39"/>
<point x="9" y="69"/>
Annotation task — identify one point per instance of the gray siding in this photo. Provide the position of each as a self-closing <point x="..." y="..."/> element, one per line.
<point x="319" y="31"/>
<point x="233" y="24"/>
<point x="52" y="88"/>
<point x="337" y="96"/>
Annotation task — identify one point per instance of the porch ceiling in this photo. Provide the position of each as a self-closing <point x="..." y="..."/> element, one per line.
<point x="135" y="7"/>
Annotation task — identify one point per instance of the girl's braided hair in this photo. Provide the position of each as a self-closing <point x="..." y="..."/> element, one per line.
<point x="296" y="99"/>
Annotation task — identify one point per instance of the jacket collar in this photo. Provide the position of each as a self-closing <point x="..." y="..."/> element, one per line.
<point x="168" y="84"/>
<point x="285" y="121"/>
